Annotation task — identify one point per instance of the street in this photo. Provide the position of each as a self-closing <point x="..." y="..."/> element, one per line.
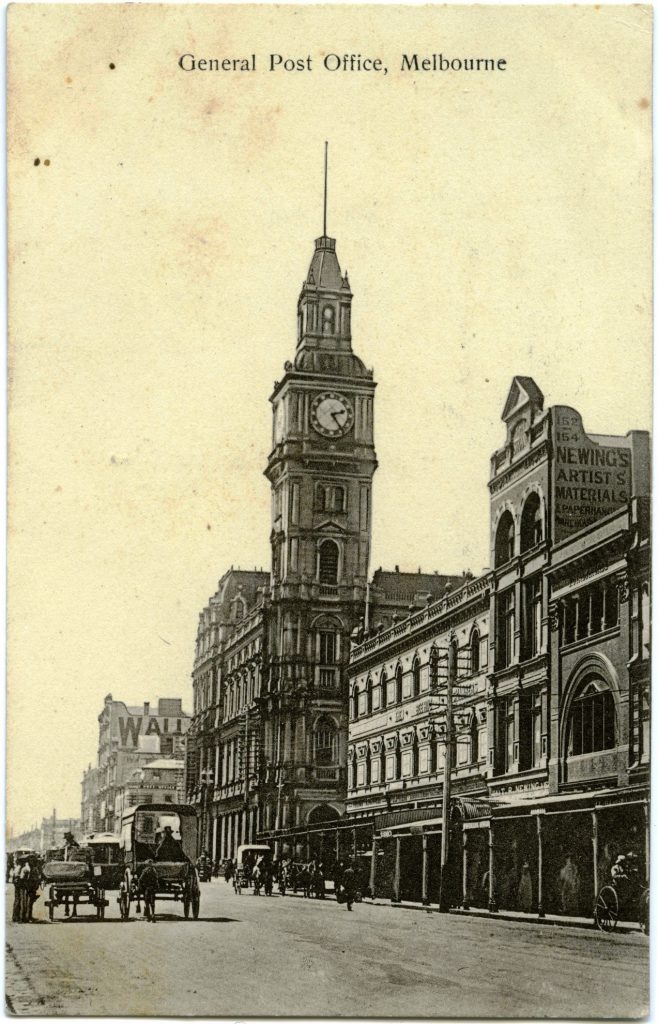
<point x="249" y="956"/>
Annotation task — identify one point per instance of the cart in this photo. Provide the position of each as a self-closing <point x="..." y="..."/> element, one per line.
<point x="165" y="834"/>
<point x="629" y="903"/>
<point x="70" y="884"/>
<point x="245" y="861"/>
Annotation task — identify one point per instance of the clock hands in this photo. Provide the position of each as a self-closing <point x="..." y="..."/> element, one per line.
<point x="334" y="416"/>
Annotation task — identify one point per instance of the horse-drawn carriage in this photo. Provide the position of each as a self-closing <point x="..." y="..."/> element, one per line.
<point x="71" y="882"/>
<point x="624" y="901"/>
<point x="166" y="836"/>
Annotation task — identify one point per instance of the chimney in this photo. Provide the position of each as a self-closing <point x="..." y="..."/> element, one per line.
<point x="147" y="708"/>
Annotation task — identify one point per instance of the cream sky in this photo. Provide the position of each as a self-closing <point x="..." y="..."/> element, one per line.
<point x="492" y="225"/>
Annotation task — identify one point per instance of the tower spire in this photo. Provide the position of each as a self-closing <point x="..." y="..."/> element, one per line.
<point x="326" y="148"/>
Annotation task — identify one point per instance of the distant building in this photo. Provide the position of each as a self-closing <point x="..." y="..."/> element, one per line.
<point x="49" y="835"/>
<point x="159" y="781"/>
<point x="129" y="738"/>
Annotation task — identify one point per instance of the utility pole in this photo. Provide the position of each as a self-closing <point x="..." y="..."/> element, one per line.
<point x="444" y="897"/>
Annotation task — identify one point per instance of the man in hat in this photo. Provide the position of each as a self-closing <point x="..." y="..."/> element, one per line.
<point x="148" y="883"/>
<point x="168" y="847"/>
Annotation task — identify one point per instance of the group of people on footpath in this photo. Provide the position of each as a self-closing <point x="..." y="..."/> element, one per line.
<point x="25" y="874"/>
<point x="291" y="876"/>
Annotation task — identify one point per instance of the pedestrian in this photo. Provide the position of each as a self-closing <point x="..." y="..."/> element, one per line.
<point x="17" y="911"/>
<point x="10" y="868"/>
<point x="32" y="885"/>
<point x="349" y="885"/>
<point x="148" y="883"/>
<point x="525" y="890"/>
<point x="569" y="887"/>
<point x="229" y="870"/>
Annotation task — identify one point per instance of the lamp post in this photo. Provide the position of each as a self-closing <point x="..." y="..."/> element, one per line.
<point x="449" y="740"/>
<point x="207" y="778"/>
<point x="444" y="898"/>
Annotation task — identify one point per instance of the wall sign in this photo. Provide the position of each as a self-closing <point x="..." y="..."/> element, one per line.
<point x="590" y="479"/>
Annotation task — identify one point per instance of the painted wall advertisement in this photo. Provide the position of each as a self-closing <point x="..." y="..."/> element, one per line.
<point x="590" y="479"/>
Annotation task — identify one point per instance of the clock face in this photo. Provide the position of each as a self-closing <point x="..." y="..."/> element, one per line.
<point x="331" y="414"/>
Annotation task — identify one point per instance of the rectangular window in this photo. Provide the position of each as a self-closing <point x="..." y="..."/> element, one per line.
<point x="360" y="774"/>
<point x="423" y="761"/>
<point x="482" y="745"/>
<point x="374" y="769"/>
<point x="390" y="766"/>
<point x="327" y="647"/>
<point x="406" y="685"/>
<point x="363" y="705"/>
<point x="376" y="698"/>
<point x="463" y="749"/>
<point x="645" y="614"/>
<point x="505" y="628"/>
<point x="406" y="764"/>
<point x="532" y="618"/>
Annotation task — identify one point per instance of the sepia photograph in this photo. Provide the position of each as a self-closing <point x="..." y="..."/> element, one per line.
<point x="329" y="523"/>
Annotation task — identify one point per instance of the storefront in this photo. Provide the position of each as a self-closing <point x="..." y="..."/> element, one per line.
<point x="553" y="856"/>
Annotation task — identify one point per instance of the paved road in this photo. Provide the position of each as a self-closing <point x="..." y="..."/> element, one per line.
<point x="289" y="956"/>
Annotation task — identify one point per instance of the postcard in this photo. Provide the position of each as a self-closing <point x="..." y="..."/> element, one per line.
<point x="329" y="524"/>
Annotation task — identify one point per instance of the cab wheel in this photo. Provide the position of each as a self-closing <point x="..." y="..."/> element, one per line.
<point x="51" y="903"/>
<point x="186" y="905"/>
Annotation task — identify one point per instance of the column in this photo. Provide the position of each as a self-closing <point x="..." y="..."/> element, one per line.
<point x="492" y="882"/>
<point x="540" y="868"/>
<point x="308" y="847"/>
<point x="222" y="833"/>
<point x="354" y="844"/>
<point x="373" y="868"/>
<point x="595" y="852"/>
<point x="590" y="608"/>
<point x="425" y="896"/>
<point x="215" y="840"/>
<point x="604" y="605"/>
<point x="576" y="629"/>
<point x="396" y="877"/>
<point x="465" y="900"/>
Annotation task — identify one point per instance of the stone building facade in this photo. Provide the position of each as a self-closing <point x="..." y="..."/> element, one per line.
<point x="267" y="750"/>
<point x="128" y="738"/>
<point x="550" y="716"/>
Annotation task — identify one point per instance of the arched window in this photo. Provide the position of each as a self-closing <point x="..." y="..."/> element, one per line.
<point x="339" y="499"/>
<point x="383" y="683"/>
<point x="355" y="703"/>
<point x="504" y="539"/>
<point x="328" y="562"/>
<point x="369" y="696"/>
<point x="416" y="677"/>
<point x="328" y="318"/>
<point x="475" y="651"/>
<point x="398" y="684"/>
<point x="325" y="738"/>
<point x="591" y="723"/>
<point x="532" y="522"/>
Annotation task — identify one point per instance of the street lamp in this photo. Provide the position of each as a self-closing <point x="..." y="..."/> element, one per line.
<point x="449" y="740"/>
<point x="207" y="779"/>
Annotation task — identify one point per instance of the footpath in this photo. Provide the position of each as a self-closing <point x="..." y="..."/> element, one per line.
<point x="557" y="920"/>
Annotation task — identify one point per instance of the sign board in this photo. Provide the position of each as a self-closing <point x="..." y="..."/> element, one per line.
<point x="590" y="479"/>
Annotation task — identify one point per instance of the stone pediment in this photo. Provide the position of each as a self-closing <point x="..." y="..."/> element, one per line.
<point x="330" y="526"/>
<point x="522" y="393"/>
<point x="376" y="745"/>
<point x="407" y="737"/>
<point x="361" y="749"/>
<point x="391" y="742"/>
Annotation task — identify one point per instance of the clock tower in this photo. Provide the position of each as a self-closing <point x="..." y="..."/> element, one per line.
<point x="320" y="470"/>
